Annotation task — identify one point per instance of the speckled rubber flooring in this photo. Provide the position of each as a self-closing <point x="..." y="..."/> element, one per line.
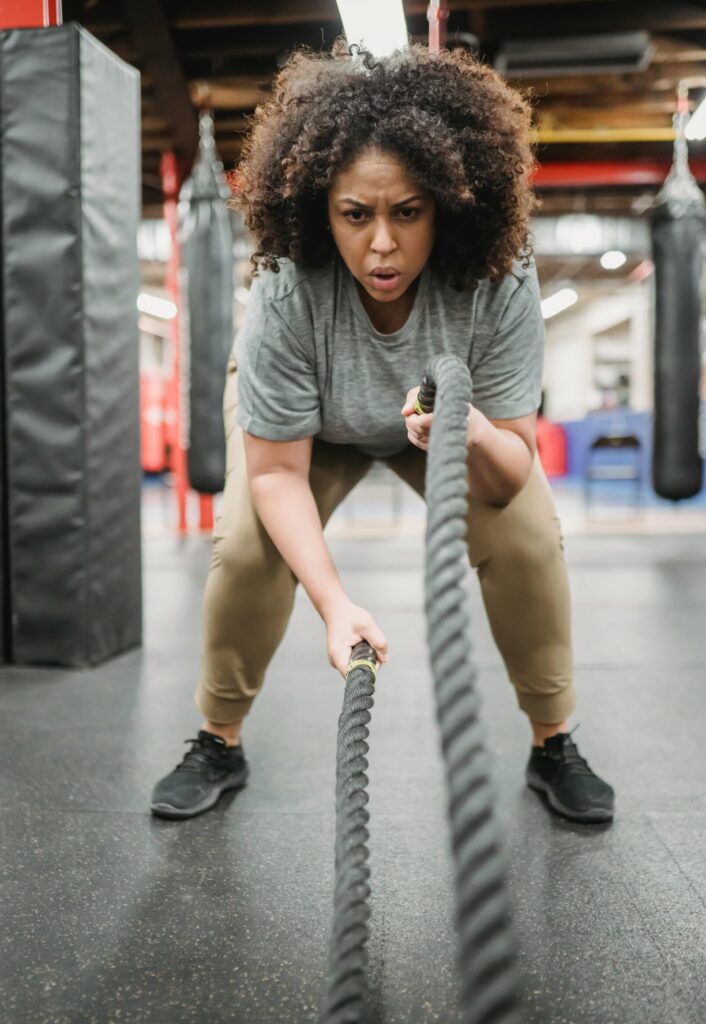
<point x="107" y="915"/>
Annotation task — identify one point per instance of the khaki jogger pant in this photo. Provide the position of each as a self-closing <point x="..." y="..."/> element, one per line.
<point x="517" y="552"/>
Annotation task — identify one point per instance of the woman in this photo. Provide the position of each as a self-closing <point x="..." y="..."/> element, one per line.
<point x="390" y="203"/>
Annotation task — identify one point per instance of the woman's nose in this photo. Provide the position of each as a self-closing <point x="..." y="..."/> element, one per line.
<point x="383" y="239"/>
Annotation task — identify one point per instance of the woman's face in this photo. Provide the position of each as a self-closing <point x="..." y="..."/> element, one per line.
<point x="381" y="217"/>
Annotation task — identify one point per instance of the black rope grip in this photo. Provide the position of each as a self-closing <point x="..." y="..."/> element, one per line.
<point x="427" y="395"/>
<point x="362" y="651"/>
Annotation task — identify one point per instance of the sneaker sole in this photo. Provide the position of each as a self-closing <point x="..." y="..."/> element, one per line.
<point x="162" y="810"/>
<point x="590" y="817"/>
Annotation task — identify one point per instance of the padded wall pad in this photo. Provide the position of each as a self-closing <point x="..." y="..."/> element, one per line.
<point x="5" y="615"/>
<point x="70" y="179"/>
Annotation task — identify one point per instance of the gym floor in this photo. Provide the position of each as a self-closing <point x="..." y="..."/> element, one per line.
<point x="107" y="915"/>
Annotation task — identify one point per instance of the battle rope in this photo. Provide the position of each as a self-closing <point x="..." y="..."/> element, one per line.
<point x="489" y="979"/>
<point x="486" y="956"/>
<point x="348" y="959"/>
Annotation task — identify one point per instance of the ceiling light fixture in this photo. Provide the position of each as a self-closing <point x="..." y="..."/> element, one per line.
<point x="558" y="302"/>
<point x="612" y="259"/>
<point x="154" y="306"/>
<point x="696" y="125"/>
<point x="378" y="25"/>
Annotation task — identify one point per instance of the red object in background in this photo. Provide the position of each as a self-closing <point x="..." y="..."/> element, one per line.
<point x="153" y="435"/>
<point x="174" y="426"/>
<point x="437" y="16"/>
<point x="170" y="186"/>
<point x="206" y="511"/>
<point x="30" y="13"/>
<point x="602" y="173"/>
<point x="551" y="445"/>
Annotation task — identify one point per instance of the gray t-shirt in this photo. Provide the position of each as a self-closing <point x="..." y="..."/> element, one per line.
<point x="310" y="362"/>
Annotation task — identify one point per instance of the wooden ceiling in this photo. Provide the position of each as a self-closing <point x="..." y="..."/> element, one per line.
<point x="232" y="50"/>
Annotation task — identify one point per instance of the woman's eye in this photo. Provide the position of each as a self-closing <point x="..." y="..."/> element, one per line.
<point x="355" y="215"/>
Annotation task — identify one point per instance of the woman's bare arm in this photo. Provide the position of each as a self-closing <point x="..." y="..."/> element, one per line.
<point x="278" y="473"/>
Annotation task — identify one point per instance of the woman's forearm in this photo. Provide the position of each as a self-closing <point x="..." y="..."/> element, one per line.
<point x="499" y="462"/>
<point x="286" y="506"/>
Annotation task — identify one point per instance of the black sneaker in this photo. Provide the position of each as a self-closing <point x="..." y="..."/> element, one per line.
<point x="558" y="770"/>
<point x="208" y="769"/>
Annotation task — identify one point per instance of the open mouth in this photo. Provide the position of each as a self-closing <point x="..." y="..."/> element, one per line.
<point x="386" y="281"/>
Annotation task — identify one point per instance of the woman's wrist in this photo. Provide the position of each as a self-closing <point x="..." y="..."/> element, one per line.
<point x="335" y="598"/>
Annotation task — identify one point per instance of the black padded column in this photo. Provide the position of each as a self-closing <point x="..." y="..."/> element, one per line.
<point x="70" y="180"/>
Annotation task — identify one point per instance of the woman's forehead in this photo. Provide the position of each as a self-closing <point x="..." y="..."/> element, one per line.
<point x="373" y="172"/>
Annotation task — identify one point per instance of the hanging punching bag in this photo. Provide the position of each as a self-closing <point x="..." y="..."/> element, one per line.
<point x="206" y="290"/>
<point x="678" y="227"/>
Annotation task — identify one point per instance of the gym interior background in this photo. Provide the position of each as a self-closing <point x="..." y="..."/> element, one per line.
<point x="108" y="915"/>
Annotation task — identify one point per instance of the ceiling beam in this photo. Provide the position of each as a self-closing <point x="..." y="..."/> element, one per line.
<point x="233" y="92"/>
<point x="661" y="78"/>
<point x="669" y="49"/>
<point x="152" y="39"/>
<point x="642" y="100"/>
<point x="645" y="116"/>
<point x="601" y="17"/>
<point x="256" y="68"/>
<point x="252" y="40"/>
<point x="603" y="135"/>
<point x="217" y="13"/>
<point x="493" y="4"/>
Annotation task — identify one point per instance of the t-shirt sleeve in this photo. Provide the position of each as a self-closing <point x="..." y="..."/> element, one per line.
<point x="278" y="394"/>
<point x="507" y="380"/>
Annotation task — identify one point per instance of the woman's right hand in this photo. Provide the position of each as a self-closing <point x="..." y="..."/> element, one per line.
<point x="347" y="624"/>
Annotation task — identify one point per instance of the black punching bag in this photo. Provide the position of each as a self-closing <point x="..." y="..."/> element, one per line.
<point x="678" y="226"/>
<point x="206" y="289"/>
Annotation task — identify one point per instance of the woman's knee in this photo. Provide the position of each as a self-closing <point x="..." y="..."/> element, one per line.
<point x="248" y="561"/>
<point x="531" y="537"/>
<point x="535" y="543"/>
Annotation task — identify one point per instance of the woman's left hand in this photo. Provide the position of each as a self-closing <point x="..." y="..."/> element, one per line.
<point x="418" y="427"/>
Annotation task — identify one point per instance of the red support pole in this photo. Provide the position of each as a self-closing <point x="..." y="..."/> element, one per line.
<point x="437" y="16"/>
<point x="177" y="445"/>
<point x="206" y="512"/>
<point x="30" y="13"/>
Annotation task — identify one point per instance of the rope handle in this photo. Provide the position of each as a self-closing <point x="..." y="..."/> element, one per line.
<point x="363" y="656"/>
<point x="427" y="395"/>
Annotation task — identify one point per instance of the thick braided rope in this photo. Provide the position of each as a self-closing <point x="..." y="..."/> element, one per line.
<point x="489" y="980"/>
<point x="346" y="981"/>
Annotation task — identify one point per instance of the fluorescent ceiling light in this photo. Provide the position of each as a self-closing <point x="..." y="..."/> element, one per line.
<point x="613" y="259"/>
<point x="148" y="325"/>
<point x="696" y="126"/>
<point x="558" y="302"/>
<point x="154" y="306"/>
<point x="378" y="25"/>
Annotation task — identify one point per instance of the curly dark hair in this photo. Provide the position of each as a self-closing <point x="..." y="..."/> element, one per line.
<point x="456" y="126"/>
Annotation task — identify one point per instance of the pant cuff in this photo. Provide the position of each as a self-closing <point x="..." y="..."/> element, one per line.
<point x="549" y="708"/>
<point x="222" y="710"/>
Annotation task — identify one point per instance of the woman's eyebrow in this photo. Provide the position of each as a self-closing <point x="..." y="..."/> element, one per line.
<point x="365" y="206"/>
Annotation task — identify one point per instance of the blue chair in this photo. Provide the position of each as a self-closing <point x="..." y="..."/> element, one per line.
<point x="616" y="457"/>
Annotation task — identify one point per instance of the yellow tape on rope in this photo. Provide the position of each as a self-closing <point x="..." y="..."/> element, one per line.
<point x="363" y="662"/>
